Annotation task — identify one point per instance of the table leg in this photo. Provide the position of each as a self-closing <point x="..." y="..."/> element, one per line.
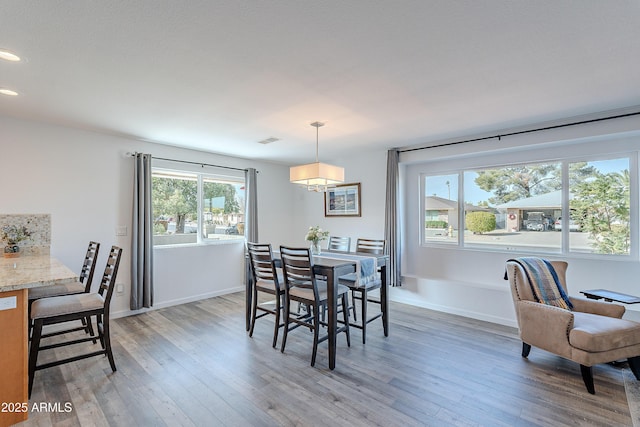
<point x="384" y="299"/>
<point x="332" y="314"/>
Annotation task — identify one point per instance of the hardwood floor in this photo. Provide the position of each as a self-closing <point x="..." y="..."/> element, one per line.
<point x="194" y="365"/>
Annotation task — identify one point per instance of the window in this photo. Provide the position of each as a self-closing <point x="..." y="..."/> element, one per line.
<point x="441" y="208"/>
<point x="599" y="218"/>
<point x="523" y="207"/>
<point x="191" y="207"/>
<point x="513" y="207"/>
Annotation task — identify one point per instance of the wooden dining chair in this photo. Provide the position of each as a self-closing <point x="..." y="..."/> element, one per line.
<point x="265" y="280"/>
<point x="361" y="292"/>
<point x="301" y="285"/>
<point x="65" y="308"/>
<point x="339" y="244"/>
<point x="83" y="285"/>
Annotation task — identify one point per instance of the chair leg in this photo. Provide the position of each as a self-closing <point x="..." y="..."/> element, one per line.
<point x="107" y="342"/>
<point x="526" y="348"/>
<point x="286" y="325"/>
<point x="316" y="332"/>
<point x="277" y="325"/>
<point x="353" y="299"/>
<point x="345" y="316"/>
<point x="254" y="309"/>
<point x="33" y="352"/>
<point x="89" y="327"/>
<point x="587" y="377"/>
<point x="363" y="294"/>
<point x="100" y="326"/>
<point x="634" y="365"/>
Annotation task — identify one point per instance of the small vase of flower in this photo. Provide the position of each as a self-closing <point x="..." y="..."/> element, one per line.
<point x="315" y="235"/>
<point x="12" y="235"/>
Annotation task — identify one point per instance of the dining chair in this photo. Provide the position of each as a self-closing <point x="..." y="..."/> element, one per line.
<point x="301" y="285"/>
<point x="339" y="244"/>
<point x="64" y="308"/>
<point x="361" y="291"/>
<point x="266" y="280"/>
<point x="83" y="285"/>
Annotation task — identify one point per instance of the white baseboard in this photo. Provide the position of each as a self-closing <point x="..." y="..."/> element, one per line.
<point x="170" y="303"/>
<point x="457" y="311"/>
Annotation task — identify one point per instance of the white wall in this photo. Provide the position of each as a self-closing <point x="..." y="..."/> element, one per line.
<point x="83" y="179"/>
<point x="369" y="169"/>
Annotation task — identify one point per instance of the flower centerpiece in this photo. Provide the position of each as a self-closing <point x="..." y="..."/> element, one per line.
<point x="315" y="235"/>
<point x="12" y="235"/>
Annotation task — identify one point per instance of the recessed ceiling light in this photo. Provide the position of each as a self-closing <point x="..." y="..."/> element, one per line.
<point x="8" y="92"/>
<point x="9" y="56"/>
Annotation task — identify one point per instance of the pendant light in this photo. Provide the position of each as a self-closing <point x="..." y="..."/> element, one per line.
<point x="316" y="176"/>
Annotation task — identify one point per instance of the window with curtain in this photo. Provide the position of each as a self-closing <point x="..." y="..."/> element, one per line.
<point x="565" y="206"/>
<point x="193" y="207"/>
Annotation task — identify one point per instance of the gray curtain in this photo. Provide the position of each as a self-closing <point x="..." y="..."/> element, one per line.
<point x="392" y="230"/>
<point x="251" y="205"/>
<point x="250" y="230"/>
<point x="141" y="235"/>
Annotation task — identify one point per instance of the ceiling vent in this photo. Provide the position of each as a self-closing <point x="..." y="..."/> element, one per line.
<point x="269" y="140"/>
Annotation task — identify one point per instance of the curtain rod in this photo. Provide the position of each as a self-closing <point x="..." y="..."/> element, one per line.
<point x="500" y="136"/>
<point x="193" y="163"/>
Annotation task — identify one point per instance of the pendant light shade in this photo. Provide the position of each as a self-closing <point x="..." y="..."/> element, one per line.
<point x="316" y="176"/>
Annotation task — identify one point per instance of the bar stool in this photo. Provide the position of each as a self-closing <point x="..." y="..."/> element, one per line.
<point x="53" y="310"/>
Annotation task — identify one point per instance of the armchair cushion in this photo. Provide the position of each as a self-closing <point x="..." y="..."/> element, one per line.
<point x="595" y="333"/>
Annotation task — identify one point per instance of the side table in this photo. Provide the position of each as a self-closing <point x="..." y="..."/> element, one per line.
<point x="610" y="296"/>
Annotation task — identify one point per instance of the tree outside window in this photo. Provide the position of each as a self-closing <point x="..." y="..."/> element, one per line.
<point x="181" y="210"/>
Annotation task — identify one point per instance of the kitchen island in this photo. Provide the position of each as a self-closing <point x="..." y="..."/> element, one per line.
<point x="17" y="275"/>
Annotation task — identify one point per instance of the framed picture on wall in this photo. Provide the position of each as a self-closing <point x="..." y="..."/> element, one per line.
<point x="342" y="200"/>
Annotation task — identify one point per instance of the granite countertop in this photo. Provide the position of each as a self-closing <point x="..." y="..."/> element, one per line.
<point x="32" y="272"/>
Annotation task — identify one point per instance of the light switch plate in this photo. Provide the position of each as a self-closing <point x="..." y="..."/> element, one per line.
<point x="7" y="303"/>
<point x="121" y="230"/>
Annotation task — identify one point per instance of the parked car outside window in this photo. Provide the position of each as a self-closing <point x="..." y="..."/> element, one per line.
<point x="573" y="225"/>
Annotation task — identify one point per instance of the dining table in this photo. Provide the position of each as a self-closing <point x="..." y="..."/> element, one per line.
<point x="17" y="276"/>
<point x="332" y="267"/>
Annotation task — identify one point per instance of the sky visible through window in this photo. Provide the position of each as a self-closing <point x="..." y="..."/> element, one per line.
<point x="446" y="186"/>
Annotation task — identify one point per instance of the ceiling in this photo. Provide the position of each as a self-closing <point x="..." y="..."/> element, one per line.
<point x="222" y="75"/>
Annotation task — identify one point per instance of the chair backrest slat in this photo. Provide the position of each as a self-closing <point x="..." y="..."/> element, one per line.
<point x="108" y="282"/>
<point x="371" y="246"/>
<point x="89" y="265"/>
<point x="262" y="265"/>
<point x="297" y="266"/>
<point x="339" y="244"/>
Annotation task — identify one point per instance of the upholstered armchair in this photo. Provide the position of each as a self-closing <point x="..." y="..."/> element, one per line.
<point x="590" y="333"/>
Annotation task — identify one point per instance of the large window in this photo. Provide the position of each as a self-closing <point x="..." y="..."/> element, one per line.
<point x="191" y="207"/>
<point x="550" y="207"/>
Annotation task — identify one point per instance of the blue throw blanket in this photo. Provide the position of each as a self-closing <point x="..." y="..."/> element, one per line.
<point x="544" y="282"/>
